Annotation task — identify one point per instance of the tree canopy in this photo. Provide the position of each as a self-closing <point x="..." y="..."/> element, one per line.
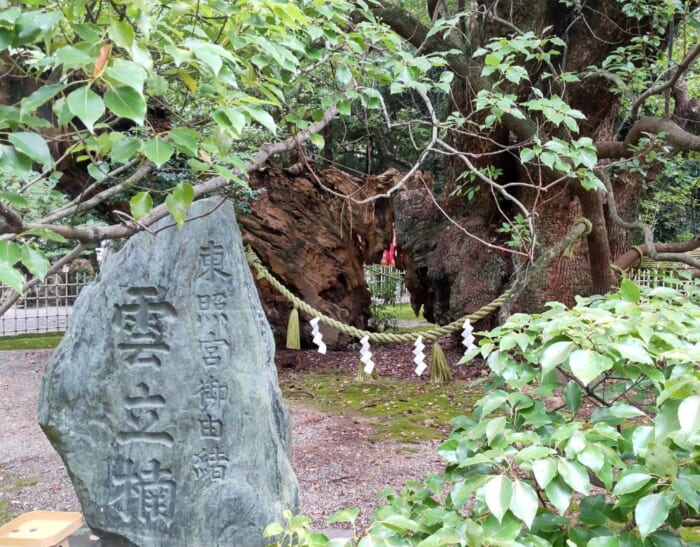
<point x="526" y="108"/>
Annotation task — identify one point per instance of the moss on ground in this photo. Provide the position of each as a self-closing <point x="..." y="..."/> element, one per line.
<point x="690" y="535"/>
<point x="400" y="410"/>
<point x="30" y="341"/>
<point x="404" y="312"/>
<point x="9" y="483"/>
<point x="6" y="514"/>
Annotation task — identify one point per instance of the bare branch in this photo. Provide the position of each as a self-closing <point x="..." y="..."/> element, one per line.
<point x="643" y="227"/>
<point x="673" y="135"/>
<point x="680" y="69"/>
<point x="626" y="260"/>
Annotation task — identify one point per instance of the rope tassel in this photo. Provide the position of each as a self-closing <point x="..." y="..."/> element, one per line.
<point x="440" y="372"/>
<point x="293" y="336"/>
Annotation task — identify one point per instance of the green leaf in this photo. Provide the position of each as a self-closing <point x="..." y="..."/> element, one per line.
<point x="572" y="396"/>
<point x="13" y="162"/>
<point x="185" y="140"/>
<point x="14" y="199"/>
<point x="500" y="533"/>
<point x="629" y="291"/>
<point x="587" y="365"/>
<point x="574" y="474"/>
<point x="10" y="252"/>
<point x="158" y="150"/>
<point x="48" y="235"/>
<point x="35" y="261"/>
<point x="178" y="201"/>
<point x="126" y="102"/>
<point x="555" y="354"/>
<point x="263" y="118"/>
<point x="631" y="483"/>
<point x="492" y="59"/>
<point x="633" y="350"/>
<point x="344" y="515"/>
<point x="121" y="72"/>
<point x="124" y="149"/>
<point x="72" y="57"/>
<point x="592" y="457"/>
<point x="41" y="96"/>
<point x="651" y="512"/>
<point x="86" y="105"/>
<point x="140" y="205"/>
<point x="273" y="529"/>
<point x="623" y="410"/>
<point x="534" y="452"/>
<point x="317" y="140"/>
<point x="10" y="276"/>
<point x="689" y="415"/>
<point x="33" y="146"/>
<point x="497" y="495"/>
<point x="491" y="402"/>
<point x="400" y="523"/>
<point x="524" y="502"/>
<point x="344" y="108"/>
<point x="687" y="491"/>
<point x="559" y="494"/>
<point x="526" y="154"/>
<point x="604" y="541"/>
<point x="122" y="34"/>
<point x="444" y="536"/>
<point x="544" y="470"/>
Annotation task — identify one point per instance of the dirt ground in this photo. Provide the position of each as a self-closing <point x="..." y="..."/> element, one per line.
<point x="338" y="461"/>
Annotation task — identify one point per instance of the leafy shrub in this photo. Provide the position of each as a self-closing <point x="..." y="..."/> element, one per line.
<point x="588" y="433"/>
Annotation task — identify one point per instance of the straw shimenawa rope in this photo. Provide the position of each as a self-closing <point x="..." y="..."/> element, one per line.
<point x="432" y="334"/>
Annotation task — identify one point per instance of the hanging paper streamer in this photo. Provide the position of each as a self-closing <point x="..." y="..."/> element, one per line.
<point x="318" y="337"/>
<point x="467" y="337"/>
<point x="366" y="355"/>
<point x="419" y="356"/>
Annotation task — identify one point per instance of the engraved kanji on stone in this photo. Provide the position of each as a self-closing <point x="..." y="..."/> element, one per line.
<point x="141" y="327"/>
<point x="212" y="393"/>
<point x="210" y="464"/>
<point x="209" y="427"/>
<point x="146" y="494"/>
<point x="142" y="415"/>
<point x="211" y="262"/>
<point x="208" y="302"/>
<point x="214" y="351"/>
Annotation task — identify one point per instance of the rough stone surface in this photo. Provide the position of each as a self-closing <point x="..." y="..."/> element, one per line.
<point x="162" y="398"/>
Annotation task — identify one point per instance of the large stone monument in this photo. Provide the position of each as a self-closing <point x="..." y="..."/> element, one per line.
<point x="162" y="398"/>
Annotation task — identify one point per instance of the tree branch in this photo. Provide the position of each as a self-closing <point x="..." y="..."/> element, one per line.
<point x="680" y="69"/>
<point x="643" y="227"/>
<point x="626" y="260"/>
<point x="674" y="135"/>
<point x="88" y="234"/>
<point x="10" y="300"/>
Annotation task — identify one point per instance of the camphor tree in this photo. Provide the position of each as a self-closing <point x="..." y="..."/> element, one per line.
<point x="558" y="110"/>
<point x="543" y="111"/>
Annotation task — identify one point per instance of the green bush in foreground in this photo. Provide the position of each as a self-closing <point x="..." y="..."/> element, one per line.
<point x="588" y="435"/>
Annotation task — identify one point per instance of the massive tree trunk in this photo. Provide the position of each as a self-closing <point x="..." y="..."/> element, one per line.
<point x="454" y="273"/>
<point x="316" y="244"/>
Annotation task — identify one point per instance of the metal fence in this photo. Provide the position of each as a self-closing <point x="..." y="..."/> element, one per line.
<point x="386" y="284"/>
<point x="45" y="308"/>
